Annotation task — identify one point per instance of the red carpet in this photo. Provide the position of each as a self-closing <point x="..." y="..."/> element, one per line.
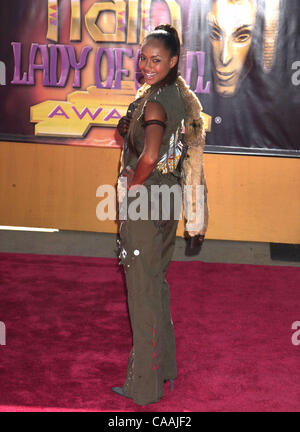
<point x="68" y="336"/>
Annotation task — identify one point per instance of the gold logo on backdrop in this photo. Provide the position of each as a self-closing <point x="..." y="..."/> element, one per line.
<point x="124" y="31"/>
<point x="82" y="110"/>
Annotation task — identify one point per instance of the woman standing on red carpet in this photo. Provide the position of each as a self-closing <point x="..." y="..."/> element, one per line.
<point x="153" y="156"/>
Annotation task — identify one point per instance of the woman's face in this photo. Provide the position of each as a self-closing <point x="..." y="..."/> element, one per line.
<point x="231" y="25"/>
<point x="155" y="61"/>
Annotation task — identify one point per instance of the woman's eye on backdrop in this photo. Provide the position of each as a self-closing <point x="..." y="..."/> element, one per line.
<point x="243" y="37"/>
<point x="215" y="33"/>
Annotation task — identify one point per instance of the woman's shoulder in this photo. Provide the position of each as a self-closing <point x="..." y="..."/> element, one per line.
<point x="167" y="90"/>
<point x="168" y="95"/>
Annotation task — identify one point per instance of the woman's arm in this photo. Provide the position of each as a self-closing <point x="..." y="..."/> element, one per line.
<point x="153" y="140"/>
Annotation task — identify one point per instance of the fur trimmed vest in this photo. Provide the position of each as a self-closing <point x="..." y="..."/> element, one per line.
<point x="192" y="167"/>
<point x="193" y="177"/>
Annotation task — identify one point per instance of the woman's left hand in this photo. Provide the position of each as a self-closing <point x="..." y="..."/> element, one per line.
<point x="123" y="125"/>
<point x="128" y="172"/>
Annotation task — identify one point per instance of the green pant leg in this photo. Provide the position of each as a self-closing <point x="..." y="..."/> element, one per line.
<point x="170" y="365"/>
<point x="141" y="248"/>
<point x="169" y="239"/>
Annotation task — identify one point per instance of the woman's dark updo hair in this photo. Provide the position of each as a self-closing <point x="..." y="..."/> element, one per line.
<point x="169" y="36"/>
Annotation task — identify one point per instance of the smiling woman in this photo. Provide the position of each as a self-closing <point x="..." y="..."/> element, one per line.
<point x="152" y="158"/>
<point x="155" y="62"/>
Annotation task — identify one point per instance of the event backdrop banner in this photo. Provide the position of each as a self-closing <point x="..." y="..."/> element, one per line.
<point x="69" y="69"/>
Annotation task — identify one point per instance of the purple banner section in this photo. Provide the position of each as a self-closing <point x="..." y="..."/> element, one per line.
<point x="80" y="60"/>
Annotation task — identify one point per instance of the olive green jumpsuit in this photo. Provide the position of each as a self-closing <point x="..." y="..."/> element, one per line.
<point x="146" y="248"/>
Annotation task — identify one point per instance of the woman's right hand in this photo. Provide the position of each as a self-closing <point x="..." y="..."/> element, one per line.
<point x="194" y="245"/>
<point x="123" y="125"/>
